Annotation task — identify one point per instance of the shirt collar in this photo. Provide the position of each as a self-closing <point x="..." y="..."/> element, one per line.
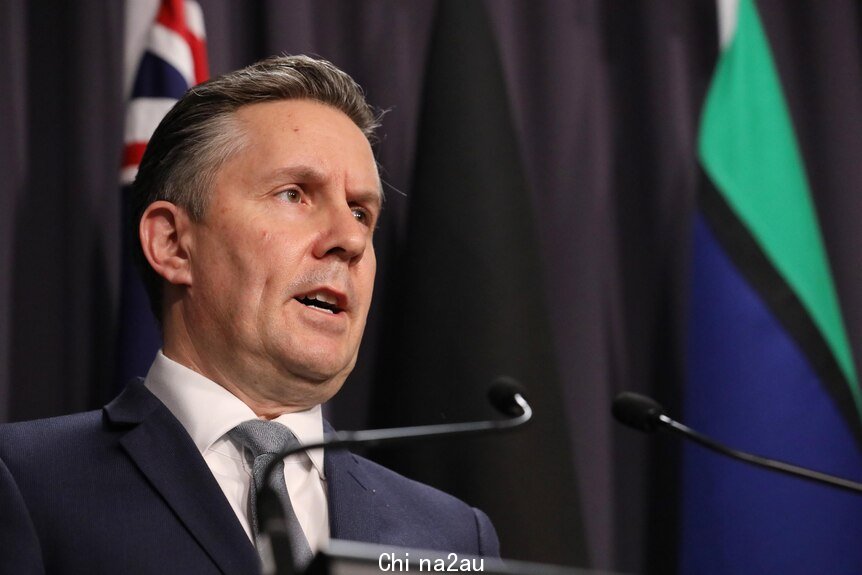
<point x="208" y="411"/>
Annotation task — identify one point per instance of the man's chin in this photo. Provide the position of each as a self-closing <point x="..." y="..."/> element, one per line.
<point x="311" y="377"/>
<point x="317" y="381"/>
<point x="308" y="393"/>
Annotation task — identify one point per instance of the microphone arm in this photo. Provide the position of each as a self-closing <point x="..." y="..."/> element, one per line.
<point x="644" y="414"/>
<point x="374" y="437"/>
<point x="274" y="540"/>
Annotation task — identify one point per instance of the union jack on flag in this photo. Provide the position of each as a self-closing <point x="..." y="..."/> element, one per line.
<point x="174" y="59"/>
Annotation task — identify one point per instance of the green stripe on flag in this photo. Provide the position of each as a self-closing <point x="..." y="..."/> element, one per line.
<point x="749" y="149"/>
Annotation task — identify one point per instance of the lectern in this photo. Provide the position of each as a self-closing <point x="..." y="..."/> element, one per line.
<point x="353" y="558"/>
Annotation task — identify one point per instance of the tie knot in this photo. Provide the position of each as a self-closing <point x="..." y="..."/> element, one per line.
<point x="262" y="437"/>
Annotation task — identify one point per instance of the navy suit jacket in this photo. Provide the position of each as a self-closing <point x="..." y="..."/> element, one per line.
<point x="125" y="490"/>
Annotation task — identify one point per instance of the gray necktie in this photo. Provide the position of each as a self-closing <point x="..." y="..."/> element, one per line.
<point x="262" y="440"/>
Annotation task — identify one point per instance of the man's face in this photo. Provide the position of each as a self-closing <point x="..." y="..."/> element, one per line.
<point x="282" y="263"/>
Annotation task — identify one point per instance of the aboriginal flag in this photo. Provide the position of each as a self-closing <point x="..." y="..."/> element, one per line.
<point x="769" y="363"/>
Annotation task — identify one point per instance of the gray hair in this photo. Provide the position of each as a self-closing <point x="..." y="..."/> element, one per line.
<point x="200" y="133"/>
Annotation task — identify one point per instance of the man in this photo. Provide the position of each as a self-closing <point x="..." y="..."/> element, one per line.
<point x="256" y="203"/>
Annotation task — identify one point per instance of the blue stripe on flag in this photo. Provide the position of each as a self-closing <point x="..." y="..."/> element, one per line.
<point x="158" y="79"/>
<point x="139" y="337"/>
<point x="749" y="385"/>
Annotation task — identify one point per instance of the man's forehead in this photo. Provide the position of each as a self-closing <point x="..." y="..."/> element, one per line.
<point x="302" y="124"/>
<point x="289" y="111"/>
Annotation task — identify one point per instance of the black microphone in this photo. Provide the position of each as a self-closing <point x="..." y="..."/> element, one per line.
<point x="505" y="394"/>
<point x="645" y="414"/>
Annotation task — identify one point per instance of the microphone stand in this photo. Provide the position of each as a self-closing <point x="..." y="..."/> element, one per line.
<point x="274" y="540"/>
<point x="645" y="414"/>
<point x="773" y="464"/>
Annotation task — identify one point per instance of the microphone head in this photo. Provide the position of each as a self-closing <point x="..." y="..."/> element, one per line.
<point x="637" y="411"/>
<point x="502" y="396"/>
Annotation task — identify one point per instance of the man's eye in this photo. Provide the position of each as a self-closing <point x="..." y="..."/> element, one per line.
<point x="291" y="196"/>
<point x="362" y="216"/>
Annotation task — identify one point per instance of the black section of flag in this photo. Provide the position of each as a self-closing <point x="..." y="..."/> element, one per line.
<point x="471" y="305"/>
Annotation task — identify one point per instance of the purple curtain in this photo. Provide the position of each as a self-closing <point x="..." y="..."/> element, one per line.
<point x="604" y="97"/>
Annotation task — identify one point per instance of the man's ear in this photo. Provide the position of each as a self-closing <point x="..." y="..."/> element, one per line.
<point x="165" y="235"/>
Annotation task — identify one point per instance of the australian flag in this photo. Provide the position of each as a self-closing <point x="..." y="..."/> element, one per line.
<point x="173" y="60"/>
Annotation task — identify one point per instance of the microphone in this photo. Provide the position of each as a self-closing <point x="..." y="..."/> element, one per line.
<point x="637" y="411"/>
<point x="505" y="394"/>
<point x="645" y="414"/>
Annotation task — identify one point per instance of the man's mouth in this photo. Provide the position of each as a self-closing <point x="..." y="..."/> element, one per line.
<point x="320" y="300"/>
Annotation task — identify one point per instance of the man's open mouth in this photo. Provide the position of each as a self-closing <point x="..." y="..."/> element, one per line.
<point x="322" y="301"/>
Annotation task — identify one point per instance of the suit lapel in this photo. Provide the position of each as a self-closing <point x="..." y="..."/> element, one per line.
<point x="166" y="455"/>
<point x="351" y="498"/>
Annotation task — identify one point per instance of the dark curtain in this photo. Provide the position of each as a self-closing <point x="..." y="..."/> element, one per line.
<point x="604" y="97"/>
<point x="468" y="301"/>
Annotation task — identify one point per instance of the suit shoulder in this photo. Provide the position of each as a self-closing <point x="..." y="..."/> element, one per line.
<point x="395" y="479"/>
<point x="48" y="427"/>
<point x="413" y="514"/>
<point x="50" y="436"/>
<point x="411" y="490"/>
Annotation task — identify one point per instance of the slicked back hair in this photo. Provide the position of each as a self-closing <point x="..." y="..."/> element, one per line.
<point x="201" y="132"/>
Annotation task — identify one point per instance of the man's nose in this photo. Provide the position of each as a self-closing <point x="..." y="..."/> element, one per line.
<point x="342" y="236"/>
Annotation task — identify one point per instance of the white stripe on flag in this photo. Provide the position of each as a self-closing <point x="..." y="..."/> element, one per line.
<point x="139" y="19"/>
<point x="127" y="175"/>
<point x="173" y="49"/>
<point x="727" y="11"/>
<point x="195" y="19"/>
<point x="143" y="116"/>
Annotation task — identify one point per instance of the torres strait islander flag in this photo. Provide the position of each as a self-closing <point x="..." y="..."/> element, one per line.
<point x="172" y="60"/>
<point x="769" y="366"/>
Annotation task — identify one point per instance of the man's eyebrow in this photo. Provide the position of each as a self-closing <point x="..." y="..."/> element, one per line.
<point x="309" y="173"/>
<point x="301" y="172"/>
<point x="372" y="197"/>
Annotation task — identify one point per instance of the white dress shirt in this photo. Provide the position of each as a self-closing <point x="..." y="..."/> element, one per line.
<point x="208" y="412"/>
